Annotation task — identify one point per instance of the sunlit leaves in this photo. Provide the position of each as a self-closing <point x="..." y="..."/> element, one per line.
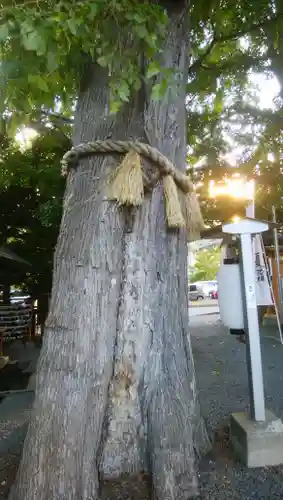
<point x="51" y="37"/>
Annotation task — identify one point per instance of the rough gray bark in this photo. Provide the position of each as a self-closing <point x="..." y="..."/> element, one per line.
<point x="115" y="388"/>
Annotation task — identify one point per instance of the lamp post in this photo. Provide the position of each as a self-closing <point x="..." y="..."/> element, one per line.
<point x="245" y="229"/>
<point x="239" y="188"/>
<point x="256" y="437"/>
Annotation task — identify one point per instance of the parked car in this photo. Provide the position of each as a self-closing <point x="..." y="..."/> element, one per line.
<point x="195" y="293"/>
<point x="214" y="294"/>
<point x="207" y="287"/>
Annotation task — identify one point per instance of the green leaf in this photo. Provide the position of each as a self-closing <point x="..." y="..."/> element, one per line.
<point x="35" y="42"/>
<point x="218" y="101"/>
<point x="93" y="10"/>
<point x="42" y="85"/>
<point x="4" y="32"/>
<point x="102" y="61"/>
<point x="115" y="106"/>
<point x="159" y="90"/>
<point x="51" y="62"/>
<point x="153" y="69"/>
<point x="27" y="26"/>
<point x="141" y="31"/>
<point x="73" y="26"/>
<point x="137" y="84"/>
<point x="39" y="82"/>
<point x="13" y="125"/>
<point x="124" y="91"/>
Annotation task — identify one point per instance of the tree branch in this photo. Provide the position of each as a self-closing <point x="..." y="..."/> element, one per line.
<point x="57" y="116"/>
<point x="241" y="62"/>
<point x="42" y="129"/>
<point x="231" y="36"/>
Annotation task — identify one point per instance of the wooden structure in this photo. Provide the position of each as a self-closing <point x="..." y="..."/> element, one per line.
<point x="270" y="252"/>
<point x="15" y="319"/>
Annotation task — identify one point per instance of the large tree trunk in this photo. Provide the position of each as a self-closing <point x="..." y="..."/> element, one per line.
<point x="115" y="389"/>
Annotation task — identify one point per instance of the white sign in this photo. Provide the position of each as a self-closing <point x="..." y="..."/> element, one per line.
<point x="263" y="292"/>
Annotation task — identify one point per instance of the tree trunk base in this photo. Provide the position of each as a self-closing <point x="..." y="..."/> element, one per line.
<point x="136" y="486"/>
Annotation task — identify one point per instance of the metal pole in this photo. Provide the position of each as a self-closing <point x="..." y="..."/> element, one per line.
<point x="250" y="210"/>
<point x="277" y="260"/>
<point x="255" y="374"/>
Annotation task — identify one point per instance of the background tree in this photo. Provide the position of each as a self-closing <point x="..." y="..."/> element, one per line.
<point x="30" y="211"/>
<point x="206" y="265"/>
<point x="223" y="102"/>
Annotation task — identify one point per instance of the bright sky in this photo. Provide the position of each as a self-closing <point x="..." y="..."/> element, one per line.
<point x="268" y="89"/>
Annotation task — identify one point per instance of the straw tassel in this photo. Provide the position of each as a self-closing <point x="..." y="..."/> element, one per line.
<point x="126" y="183"/>
<point x="192" y="214"/>
<point x="174" y="216"/>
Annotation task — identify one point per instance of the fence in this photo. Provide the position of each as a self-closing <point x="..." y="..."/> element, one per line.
<point x="16" y="321"/>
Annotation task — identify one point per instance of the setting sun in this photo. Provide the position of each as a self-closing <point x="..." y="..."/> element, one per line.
<point x="235" y="187"/>
<point x="25" y="137"/>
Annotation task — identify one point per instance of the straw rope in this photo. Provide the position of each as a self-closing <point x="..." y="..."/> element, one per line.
<point x="108" y="146"/>
<point x="126" y="184"/>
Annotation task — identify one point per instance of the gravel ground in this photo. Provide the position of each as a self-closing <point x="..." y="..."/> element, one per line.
<point x="223" y="387"/>
<point x="222" y="381"/>
<point x="14" y="414"/>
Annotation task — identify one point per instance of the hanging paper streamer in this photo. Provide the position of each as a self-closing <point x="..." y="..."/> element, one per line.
<point x="263" y="292"/>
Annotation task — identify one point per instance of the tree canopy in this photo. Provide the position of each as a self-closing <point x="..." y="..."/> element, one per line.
<point x="43" y="47"/>
<point x="224" y="109"/>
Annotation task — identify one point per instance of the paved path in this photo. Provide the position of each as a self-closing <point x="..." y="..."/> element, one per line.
<point x="203" y="307"/>
<point x="203" y="310"/>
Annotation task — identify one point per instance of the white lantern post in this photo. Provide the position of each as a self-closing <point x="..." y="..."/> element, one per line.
<point x="245" y="228"/>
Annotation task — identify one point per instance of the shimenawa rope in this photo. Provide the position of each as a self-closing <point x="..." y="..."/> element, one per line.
<point x="126" y="184"/>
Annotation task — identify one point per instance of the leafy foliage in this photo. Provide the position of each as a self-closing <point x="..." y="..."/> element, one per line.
<point x="206" y="265"/>
<point x="30" y="209"/>
<point x="44" y="46"/>
<point x="229" y="45"/>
